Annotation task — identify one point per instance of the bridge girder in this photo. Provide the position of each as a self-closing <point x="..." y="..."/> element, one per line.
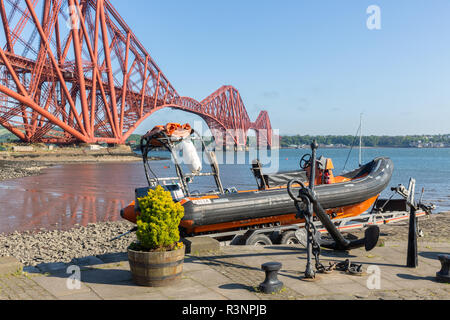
<point x="73" y="71"/>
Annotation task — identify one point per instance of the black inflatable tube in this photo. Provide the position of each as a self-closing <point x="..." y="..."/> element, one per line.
<point x="369" y="181"/>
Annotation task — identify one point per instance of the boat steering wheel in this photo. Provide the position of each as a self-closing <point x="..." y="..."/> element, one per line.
<point x="305" y="161"/>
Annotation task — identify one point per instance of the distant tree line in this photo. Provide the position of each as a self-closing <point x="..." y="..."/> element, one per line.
<point x="298" y="140"/>
<point x="348" y="140"/>
<point x="368" y="141"/>
<point x="134" y="139"/>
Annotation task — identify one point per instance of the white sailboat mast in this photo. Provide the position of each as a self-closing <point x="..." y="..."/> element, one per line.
<point x="360" y="140"/>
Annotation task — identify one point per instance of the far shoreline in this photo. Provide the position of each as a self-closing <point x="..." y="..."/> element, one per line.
<point x="357" y="147"/>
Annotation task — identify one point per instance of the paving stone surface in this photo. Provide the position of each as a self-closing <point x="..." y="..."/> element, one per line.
<point x="21" y="287"/>
<point x="234" y="273"/>
<point x="9" y="265"/>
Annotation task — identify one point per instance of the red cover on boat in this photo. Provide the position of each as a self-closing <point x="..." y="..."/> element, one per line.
<point x="174" y="130"/>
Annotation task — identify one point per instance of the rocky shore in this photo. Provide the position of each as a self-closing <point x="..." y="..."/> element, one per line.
<point x="10" y="170"/>
<point x="34" y="248"/>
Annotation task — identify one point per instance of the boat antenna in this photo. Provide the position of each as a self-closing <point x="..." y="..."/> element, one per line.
<point x="351" y="149"/>
<point x="360" y="140"/>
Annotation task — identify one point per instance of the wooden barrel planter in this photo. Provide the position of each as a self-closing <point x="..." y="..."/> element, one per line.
<point x="156" y="269"/>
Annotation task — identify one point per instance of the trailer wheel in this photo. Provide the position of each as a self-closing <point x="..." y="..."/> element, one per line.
<point x="289" y="237"/>
<point x="258" y="240"/>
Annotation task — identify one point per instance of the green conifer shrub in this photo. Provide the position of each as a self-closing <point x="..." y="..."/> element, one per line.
<point x="159" y="221"/>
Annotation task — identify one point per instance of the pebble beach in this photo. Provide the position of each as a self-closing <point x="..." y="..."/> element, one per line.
<point x="34" y="248"/>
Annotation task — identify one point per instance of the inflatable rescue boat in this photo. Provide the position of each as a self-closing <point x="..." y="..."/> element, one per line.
<point x="347" y="195"/>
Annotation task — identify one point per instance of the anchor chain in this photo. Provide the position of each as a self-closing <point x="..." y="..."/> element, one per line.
<point x="352" y="268"/>
<point x="312" y="234"/>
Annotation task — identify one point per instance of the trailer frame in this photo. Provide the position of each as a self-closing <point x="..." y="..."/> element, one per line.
<point x="251" y="235"/>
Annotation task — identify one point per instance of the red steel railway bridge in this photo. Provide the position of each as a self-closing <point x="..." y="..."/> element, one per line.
<point x="72" y="71"/>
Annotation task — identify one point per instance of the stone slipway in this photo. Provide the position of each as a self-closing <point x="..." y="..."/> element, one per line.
<point x="234" y="273"/>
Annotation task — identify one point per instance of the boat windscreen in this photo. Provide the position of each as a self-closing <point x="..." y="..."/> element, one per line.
<point x="283" y="178"/>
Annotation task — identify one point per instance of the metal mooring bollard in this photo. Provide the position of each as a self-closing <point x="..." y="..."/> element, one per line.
<point x="271" y="284"/>
<point x="444" y="275"/>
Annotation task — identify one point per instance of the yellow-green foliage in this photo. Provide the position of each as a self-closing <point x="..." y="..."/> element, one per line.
<point x="159" y="220"/>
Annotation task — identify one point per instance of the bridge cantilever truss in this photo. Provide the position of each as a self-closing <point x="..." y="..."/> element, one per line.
<point x="73" y="71"/>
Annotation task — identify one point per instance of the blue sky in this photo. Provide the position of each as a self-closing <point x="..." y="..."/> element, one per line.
<point x="313" y="65"/>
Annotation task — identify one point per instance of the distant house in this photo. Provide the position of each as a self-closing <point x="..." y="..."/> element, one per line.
<point x="94" y="147"/>
<point x="23" y="149"/>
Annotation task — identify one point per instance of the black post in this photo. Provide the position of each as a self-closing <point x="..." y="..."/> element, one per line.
<point x="412" y="259"/>
<point x="312" y="176"/>
<point x="309" y="272"/>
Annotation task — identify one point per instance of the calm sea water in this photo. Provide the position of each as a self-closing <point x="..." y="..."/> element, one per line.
<point x="65" y="195"/>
